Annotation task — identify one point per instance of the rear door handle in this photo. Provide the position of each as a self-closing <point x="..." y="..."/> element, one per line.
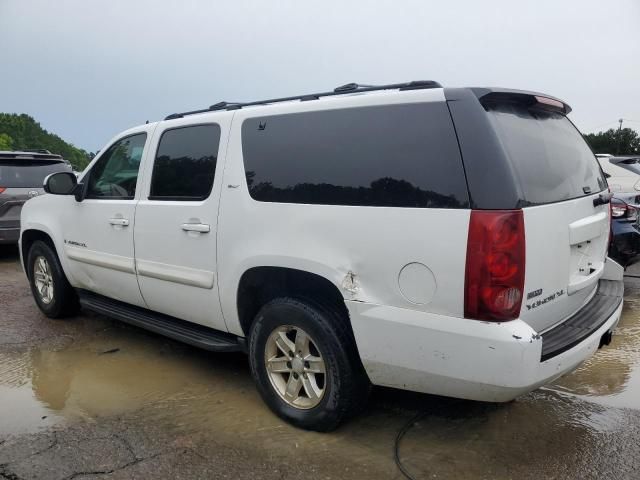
<point x="196" y="227"/>
<point x="123" y="222"/>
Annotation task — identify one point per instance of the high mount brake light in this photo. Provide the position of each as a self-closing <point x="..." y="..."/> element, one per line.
<point x="494" y="275"/>
<point x="550" y="102"/>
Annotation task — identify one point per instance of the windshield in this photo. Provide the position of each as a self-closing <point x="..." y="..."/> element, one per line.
<point x="28" y="174"/>
<point x="550" y="159"/>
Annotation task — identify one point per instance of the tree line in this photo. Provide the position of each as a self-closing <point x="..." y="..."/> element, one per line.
<point x="20" y="131"/>
<point x="624" y="141"/>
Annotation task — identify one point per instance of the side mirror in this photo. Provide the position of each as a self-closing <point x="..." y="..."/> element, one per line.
<point x="61" y="183"/>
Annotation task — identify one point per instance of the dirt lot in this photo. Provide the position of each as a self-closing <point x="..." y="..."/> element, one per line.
<point x="91" y="398"/>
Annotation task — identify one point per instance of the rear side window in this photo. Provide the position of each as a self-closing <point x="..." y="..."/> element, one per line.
<point x="185" y="163"/>
<point x="550" y="159"/>
<point x="387" y="156"/>
<point x="28" y="173"/>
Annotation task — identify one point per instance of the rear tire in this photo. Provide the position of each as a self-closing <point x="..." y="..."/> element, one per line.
<point x="316" y="386"/>
<point x="51" y="290"/>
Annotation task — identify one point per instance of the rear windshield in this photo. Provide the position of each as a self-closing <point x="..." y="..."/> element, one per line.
<point x="550" y="159"/>
<point x="27" y="174"/>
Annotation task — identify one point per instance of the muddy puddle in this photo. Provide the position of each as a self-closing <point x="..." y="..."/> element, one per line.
<point x="122" y="371"/>
<point x="612" y="376"/>
<point x="101" y="369"/>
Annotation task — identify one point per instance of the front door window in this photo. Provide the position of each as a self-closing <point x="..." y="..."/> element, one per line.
<point x="115" y="174"/>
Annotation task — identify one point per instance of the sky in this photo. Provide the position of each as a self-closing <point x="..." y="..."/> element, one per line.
<point x="87" y="69"/>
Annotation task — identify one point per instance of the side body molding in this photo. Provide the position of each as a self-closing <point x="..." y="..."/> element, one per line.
<point x="177" y="274"/>
<point x="100" y="259"/>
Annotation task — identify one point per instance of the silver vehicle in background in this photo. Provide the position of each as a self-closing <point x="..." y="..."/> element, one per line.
<point x="622" y="173"/>
<point x="22" y="174"/>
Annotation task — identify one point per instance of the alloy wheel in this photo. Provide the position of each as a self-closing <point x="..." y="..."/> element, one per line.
<point x="43" y="279"/>
<point x="295" y="367"/>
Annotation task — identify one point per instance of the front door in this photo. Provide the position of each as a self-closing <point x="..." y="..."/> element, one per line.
<point x="176" y="220"/>
<point x="98" y="232"/>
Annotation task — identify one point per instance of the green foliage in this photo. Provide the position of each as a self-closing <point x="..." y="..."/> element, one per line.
<point x="21" y="131"/>
<point x="6" y="142"/>
<point x="623" y="142"/>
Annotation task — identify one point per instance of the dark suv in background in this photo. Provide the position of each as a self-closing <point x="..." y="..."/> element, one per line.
<point x="625" y="231"/>
<point x="22" y="174"/>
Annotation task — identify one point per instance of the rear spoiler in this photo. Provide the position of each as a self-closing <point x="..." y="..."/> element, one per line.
<point x="26" y="155"/>
<point x="625" y="160"/>
<point x="492" y="96"/>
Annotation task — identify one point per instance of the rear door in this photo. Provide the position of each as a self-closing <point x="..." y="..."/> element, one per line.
<point x="176" y="221"/>
<point x="20" y="180"/>
<point x="567" y="234"/>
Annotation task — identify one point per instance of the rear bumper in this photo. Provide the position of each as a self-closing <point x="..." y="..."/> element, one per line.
<point x="585" y="322"/>
<point x="9" y="235"/>
<point x="469" y="359"/>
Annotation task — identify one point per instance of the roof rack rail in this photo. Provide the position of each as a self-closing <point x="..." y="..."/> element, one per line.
<point x="341" y="90"/>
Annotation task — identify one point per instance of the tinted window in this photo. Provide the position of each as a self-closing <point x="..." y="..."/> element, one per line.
<point x="185" y="163"/>
<point x="115" y="174"/>
<point x="551" y="160"/>
<point x="28" y="173"/>
<point x="393" y="155"/>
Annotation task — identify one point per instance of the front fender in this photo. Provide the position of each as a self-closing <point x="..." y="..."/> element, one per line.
<point x="36" y="217"/>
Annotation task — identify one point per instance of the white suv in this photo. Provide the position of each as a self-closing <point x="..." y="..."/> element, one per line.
<point x="448" y="241"/>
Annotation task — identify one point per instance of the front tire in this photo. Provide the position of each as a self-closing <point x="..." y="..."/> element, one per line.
<point x="51" y="290"/>
<point x="305" y="364"/>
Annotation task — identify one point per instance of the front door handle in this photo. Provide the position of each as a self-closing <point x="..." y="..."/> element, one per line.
<point x="123" y="222"/>
<point x="196" y="227"/>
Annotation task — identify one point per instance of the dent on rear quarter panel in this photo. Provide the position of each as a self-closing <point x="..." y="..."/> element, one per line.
<point x="361" y="259"/>
<point x="361" y="250"/>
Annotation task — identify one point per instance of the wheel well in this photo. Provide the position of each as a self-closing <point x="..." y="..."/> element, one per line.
<point x="260" y="285"/>
<point x="28" y="238"/>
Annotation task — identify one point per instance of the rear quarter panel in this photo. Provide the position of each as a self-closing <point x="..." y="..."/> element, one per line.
<point x="372" y="243"/>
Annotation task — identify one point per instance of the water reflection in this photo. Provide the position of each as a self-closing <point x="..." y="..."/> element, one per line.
<point x="612" y="375"/>
<point x="383" y="192"/>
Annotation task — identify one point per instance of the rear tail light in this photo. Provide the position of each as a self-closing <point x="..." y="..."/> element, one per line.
<point x="620" y="209"/>
<point x="494" y="276"/>
<point x="610" y="225"/>
<point x="2" y="189"/>
<point x="610" y="220"/>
